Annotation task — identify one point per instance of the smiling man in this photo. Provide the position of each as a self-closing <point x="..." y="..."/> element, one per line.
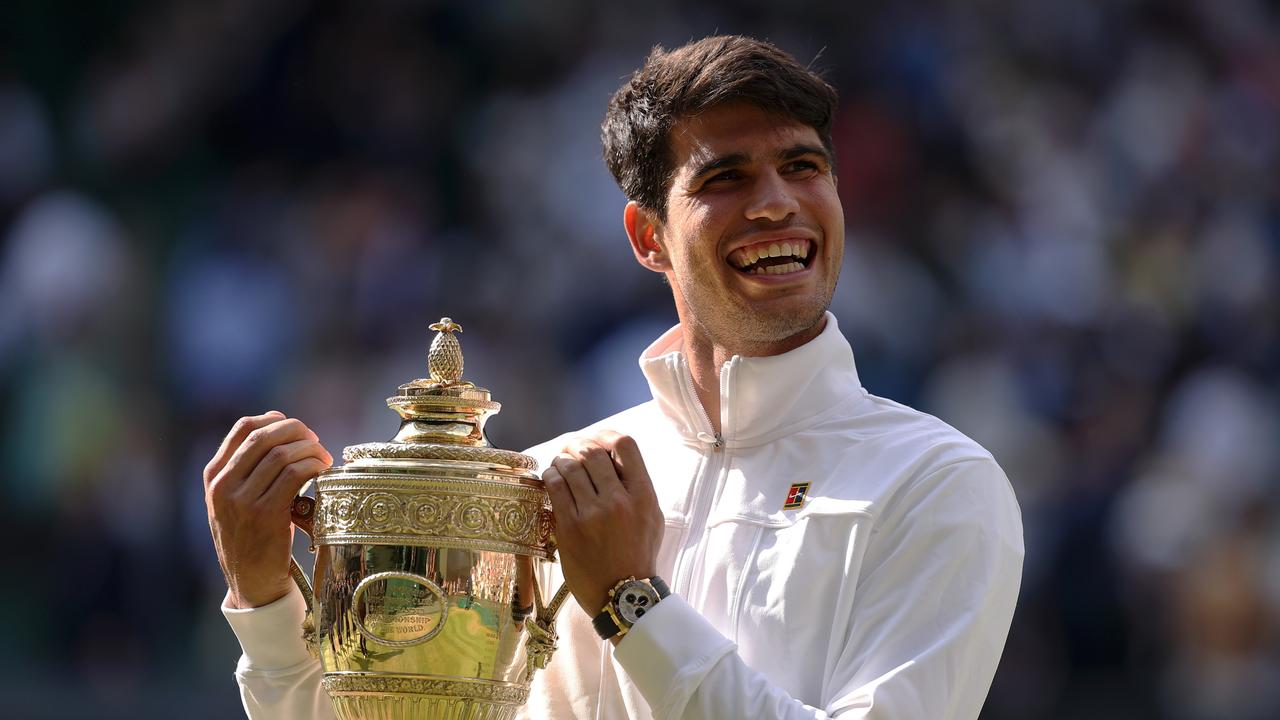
<point x="763" y="539"/>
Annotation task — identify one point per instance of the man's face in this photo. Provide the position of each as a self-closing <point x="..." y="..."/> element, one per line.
<point x="754" y="232"/>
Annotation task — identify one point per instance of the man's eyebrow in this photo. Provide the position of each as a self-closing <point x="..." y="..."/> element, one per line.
<point x="801" y="149"/>
<point x="719" y="163"/>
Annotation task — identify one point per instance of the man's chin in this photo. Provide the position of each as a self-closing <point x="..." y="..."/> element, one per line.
<point x="780" y="326"/>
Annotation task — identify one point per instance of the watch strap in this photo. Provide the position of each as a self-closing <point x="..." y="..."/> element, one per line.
<point x="605" y="625"/>
<point x="660" y="586"/>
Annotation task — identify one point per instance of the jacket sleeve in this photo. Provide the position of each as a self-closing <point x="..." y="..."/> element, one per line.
<point x="278" y="678"/>
<point x="933" y="602"/>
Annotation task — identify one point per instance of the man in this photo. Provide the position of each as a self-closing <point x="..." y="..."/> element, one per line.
<point x="828" y="552"/>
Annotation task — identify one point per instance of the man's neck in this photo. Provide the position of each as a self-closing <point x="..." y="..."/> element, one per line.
<point x="706" y="357"/>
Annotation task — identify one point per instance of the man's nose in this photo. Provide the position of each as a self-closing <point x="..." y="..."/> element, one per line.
<point x="771" y="199"/>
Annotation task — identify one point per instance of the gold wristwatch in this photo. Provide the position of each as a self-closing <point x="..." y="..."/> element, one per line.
<point x="629" y="600"/>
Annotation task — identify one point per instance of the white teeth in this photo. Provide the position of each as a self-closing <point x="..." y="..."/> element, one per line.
<point x="744" y="258"/>
<point x="778" y="269"/>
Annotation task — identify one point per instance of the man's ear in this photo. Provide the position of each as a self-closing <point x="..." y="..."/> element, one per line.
<point x="643" y="232"/>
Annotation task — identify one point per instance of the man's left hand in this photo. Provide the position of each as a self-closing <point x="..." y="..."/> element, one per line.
<point x="608" y="522"/>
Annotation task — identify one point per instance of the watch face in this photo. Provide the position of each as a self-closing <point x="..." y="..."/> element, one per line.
<point x="633" y="600"/>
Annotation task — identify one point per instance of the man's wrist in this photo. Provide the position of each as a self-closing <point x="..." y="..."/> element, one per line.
<point x="237" y="600"/>
<point x="628" y="601"/>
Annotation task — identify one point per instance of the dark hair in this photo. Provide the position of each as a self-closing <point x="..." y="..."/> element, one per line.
<point x="675" y="84"/>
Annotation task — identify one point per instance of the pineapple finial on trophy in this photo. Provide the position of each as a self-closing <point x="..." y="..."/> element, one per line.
<point x="444" y="359"/>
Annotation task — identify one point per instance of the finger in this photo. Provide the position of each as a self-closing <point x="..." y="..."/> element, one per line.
<point x="257" y="444"/>
<point x="262" y="477"/>
<point x="562" y="502"/>
<point x="597" y="462"/>
<point x="576" y="477"/>
<point x="630" y="464"/>
<point x="234" y="439"/>
<point x="285" y="487"/>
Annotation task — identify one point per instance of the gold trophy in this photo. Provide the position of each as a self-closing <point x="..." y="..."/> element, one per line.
<point x="425" y="547"/>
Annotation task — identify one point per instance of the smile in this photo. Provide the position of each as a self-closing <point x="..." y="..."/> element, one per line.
<point x="774" y="257"/>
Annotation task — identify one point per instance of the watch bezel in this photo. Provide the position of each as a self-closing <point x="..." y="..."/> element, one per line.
<point x="626" y="601"/>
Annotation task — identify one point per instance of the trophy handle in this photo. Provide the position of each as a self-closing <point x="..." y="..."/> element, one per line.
<point x="542" y="628"/>
<point x="303" y="514"/>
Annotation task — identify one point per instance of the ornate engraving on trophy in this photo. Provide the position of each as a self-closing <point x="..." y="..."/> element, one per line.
<point x="398" y="609"/>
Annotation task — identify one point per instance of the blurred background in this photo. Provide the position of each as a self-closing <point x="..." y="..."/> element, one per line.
<point x="1063" y="233"/>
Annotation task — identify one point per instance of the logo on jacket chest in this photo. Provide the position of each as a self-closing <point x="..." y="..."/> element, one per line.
<point x="796" y="496"/>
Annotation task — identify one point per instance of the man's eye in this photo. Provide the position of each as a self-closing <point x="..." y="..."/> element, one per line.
<point x="722" y="177"/>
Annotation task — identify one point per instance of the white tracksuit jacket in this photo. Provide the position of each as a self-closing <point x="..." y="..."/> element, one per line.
<point x="888" y="594"/>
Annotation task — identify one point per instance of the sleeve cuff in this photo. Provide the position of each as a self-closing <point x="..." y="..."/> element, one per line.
<point x="668" y="653"/>
<point x="270" y="636"/>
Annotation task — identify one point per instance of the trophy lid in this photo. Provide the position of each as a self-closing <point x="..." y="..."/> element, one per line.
<point x="442" y="416"/>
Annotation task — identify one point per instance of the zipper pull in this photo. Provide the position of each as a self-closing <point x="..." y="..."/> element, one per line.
<point x="715" y="441"/>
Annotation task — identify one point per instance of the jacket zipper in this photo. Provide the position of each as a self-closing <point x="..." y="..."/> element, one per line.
<point x="707" y="432"/>
<point x="706" y="483"/>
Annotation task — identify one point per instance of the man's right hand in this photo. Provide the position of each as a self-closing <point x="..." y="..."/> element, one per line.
<point x="249" y="486"/>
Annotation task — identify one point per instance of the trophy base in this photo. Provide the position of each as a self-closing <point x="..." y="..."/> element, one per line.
<point x="381" y="696"/>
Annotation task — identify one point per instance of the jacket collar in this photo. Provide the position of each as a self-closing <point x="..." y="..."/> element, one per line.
<point x="761" y="398"/>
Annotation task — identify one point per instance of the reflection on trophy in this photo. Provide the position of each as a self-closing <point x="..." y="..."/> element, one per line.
<point x="424" y="573"/>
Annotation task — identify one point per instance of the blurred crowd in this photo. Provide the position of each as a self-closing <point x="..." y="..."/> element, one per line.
<point x="1063" y="238"/>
